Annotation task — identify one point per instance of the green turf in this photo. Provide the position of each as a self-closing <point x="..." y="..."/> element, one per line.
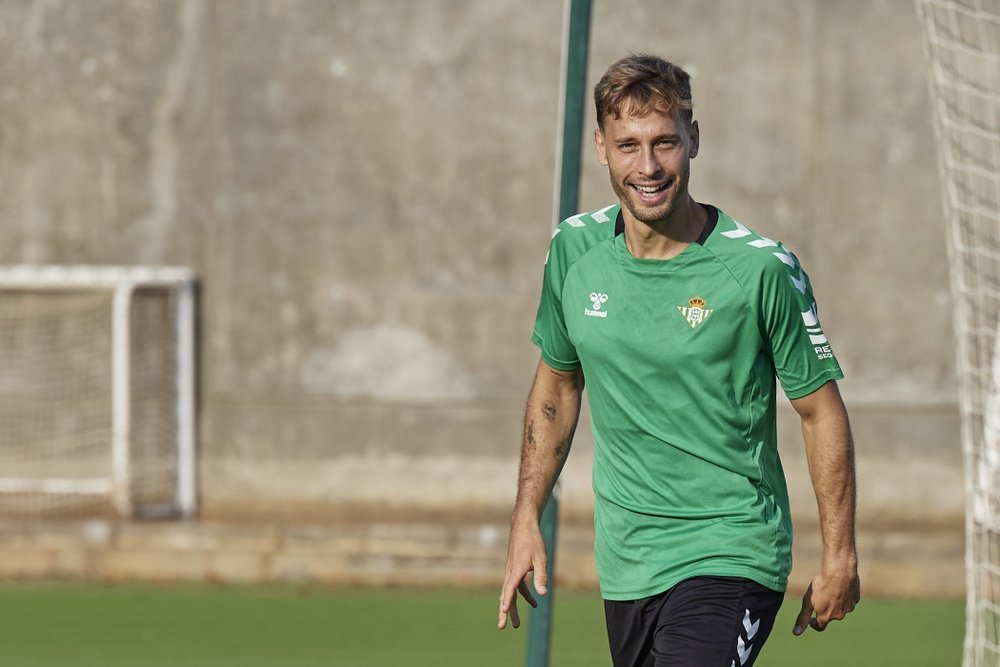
<point x="57" y="623"/>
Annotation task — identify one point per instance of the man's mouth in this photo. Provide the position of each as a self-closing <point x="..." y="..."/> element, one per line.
<point x="651" y="194"/>
<point x="650" y="189"/>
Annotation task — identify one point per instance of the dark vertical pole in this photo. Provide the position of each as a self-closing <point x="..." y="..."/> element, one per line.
<point x="576" y="37"/>
<point x="574" y="94"/>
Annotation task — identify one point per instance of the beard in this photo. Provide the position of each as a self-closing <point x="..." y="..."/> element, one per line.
<point x="652" y="214"/>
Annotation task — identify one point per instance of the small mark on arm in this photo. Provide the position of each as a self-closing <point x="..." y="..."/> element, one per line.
<point x="549" y="410"/>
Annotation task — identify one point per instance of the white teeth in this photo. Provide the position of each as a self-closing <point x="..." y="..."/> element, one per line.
<point x="649" y="189"/>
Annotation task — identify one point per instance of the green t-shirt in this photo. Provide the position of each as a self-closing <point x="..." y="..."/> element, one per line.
<point x="680" y="358"/>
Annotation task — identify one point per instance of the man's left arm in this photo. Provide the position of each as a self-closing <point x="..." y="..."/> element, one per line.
<point x="830" y="452"/>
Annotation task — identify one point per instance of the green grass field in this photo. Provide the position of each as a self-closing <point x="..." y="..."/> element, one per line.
<point x="60" y="624"/>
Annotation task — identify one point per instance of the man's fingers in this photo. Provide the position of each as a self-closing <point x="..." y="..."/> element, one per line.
<point x="508" y="601"/>
<point x="502" y="620"/>
<point x="507" y="597"/>
<point x="805" y="616"/>
<point x="525" y="591"/>
<point x="802" y="622"/>
<point x="525" y="554"/>
<point x="541" y="578"/>
<point x="514" y="618"/>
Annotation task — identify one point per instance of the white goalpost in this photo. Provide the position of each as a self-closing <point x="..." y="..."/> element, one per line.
<point x="97" y="391"/>
<point x="962" y="39"/>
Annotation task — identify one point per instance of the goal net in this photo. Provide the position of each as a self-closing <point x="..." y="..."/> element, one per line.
<point x="963" y="47"/>
<point x="96" y="391"/>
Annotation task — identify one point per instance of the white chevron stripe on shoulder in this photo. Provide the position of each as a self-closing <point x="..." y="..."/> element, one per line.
<point x="763" y="242"/>
<point x="555" y="232"/>
<point x="602" y="215"/>
<point x="800" y="283"/>
<point x="786" y="257"/>
<point x="738" y="233"/>
<point x="575" y="221"/>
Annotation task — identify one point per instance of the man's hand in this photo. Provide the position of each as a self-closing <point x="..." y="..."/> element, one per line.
<point x="549" y="422"/>
<point x="830" y="453"/>
<point x="829" y="597"/>
<point x="525" y="553"/>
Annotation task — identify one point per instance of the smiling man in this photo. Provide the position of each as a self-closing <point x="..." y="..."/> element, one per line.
<point x="681" y="319"/>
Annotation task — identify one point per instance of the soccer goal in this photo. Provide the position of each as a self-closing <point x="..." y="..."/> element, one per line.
<point x="97" y="391"/>
<point x="962" y="40"/>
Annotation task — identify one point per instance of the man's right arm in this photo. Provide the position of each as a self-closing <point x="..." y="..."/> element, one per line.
<point x="550" y="419"/>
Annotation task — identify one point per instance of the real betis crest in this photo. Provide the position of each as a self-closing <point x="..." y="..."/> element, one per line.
<point x="695" y="312"/>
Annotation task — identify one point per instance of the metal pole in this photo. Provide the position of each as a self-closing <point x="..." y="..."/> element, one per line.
<point x="576" y="37"/>
<point x="186" y="389"/>
<point x="121" y="397"/>
<point x="569" y="136"/>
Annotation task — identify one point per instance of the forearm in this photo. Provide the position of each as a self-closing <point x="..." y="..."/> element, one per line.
<point x="830" y="452"/>
<point x="550" y="419"/>
<point x="835" y="591"/>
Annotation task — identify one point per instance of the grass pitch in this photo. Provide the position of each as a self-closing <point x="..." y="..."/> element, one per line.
<point x="59" y="623"/>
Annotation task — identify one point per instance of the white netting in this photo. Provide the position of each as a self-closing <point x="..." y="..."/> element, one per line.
<point x="153" y="439"/>
<point x="57" y="401"/>
<point x="55" y="389"/>
<point x="963" y="40"/>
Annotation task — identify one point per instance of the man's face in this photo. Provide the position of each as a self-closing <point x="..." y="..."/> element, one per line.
<point x="648" y="158"/>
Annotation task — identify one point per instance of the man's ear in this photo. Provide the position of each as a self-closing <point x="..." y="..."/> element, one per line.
<point x="695" y="136"/>
<point x="602" y="150"/>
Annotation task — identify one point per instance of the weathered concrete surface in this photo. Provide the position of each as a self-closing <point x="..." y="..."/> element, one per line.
<point x="364" y="189"/>
<point x="393" y="551"/>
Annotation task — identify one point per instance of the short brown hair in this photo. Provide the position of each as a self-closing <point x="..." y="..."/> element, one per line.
<point x="638" y="83"/>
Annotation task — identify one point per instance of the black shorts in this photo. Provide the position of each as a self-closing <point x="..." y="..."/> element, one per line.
<point x="700" y="622"/>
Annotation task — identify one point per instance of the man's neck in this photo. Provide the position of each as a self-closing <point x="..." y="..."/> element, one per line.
<point x="665" y="239"/>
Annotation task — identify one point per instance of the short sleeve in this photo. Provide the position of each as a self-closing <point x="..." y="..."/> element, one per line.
<point x="550" y="334"/>
<point x="802" y="356"/>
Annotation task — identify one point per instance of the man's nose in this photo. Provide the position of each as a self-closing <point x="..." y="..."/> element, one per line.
<point x="649" y="165"/>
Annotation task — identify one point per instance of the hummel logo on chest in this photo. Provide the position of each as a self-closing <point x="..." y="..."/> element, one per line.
<point x="597" y="301"/>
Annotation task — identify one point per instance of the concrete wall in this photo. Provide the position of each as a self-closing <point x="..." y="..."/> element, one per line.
<point x="364" y="189"/>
